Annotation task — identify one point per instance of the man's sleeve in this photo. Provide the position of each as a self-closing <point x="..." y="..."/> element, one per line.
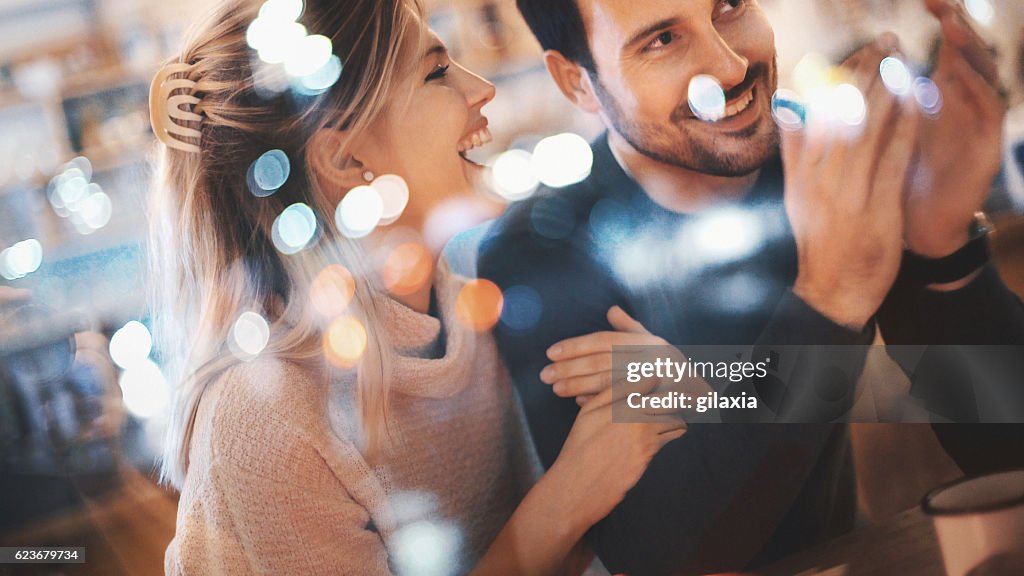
<point x="983" y="320"/>
<point x="708" y="501"/>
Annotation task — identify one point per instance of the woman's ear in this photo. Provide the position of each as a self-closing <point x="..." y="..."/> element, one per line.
<point x="573" y="80"/>
<point x="337" y="171"/>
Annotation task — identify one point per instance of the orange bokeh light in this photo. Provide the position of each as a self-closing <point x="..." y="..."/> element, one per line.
<point x="478" y="306"/>
<point x="332" y="291"/>
<point x="408" y="269"/>
<point x="345" y="342"/>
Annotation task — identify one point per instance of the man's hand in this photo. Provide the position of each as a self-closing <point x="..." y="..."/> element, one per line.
<point x="844" y="196"/>
<point x="960" y="147"/>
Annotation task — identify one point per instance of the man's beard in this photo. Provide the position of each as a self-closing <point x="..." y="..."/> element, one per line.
<point x="671" y="143"/>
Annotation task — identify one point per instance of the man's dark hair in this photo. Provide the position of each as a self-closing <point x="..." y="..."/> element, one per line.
<point x="558" y="25"/>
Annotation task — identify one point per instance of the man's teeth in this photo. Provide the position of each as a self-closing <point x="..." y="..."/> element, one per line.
<point x="739" y="105"/>
<point x="475" y="140"/>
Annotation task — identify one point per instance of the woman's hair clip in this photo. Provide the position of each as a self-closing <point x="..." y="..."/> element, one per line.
<point x="165" y="108"/>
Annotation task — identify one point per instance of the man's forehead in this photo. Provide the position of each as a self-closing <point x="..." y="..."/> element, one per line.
<point x="624" y="18"/>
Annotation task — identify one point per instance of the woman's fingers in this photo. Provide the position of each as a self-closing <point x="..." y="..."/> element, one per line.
<point x="579" y="366"/>
<point x="583" y="385"/>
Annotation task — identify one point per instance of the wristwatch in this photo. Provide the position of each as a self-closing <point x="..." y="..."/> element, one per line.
<point x="957" y="265"/>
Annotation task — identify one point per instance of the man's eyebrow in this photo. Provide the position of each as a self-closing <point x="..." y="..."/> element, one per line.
<point x="648" y="30"/>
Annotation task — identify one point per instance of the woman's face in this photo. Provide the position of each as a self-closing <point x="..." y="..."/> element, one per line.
<point x="435" y="118"/>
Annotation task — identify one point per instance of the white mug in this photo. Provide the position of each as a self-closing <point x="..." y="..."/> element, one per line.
<point x="978" y="518"/>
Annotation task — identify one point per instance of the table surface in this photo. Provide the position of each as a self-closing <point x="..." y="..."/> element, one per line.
<point x="905" y="545"/>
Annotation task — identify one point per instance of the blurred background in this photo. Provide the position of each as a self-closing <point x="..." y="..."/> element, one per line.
<point x="81" y="397"/>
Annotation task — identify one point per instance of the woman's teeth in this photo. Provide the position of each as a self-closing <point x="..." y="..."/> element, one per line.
<point x="474" y="140"/>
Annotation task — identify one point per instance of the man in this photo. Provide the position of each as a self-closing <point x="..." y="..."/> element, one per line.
<point x="681" y="223"/>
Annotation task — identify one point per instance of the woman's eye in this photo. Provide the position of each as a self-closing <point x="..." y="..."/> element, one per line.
<point x="662" y="40"/>
<point x="438" y="73"/>
<point x="726" y="6"/>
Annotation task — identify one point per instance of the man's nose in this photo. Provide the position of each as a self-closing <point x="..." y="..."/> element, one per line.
<point x="718" y="59"/>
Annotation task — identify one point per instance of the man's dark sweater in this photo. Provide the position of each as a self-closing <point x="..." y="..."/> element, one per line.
<point x="723" y="496"/>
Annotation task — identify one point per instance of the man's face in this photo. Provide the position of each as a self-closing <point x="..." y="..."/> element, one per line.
<point x="646" y="54"/>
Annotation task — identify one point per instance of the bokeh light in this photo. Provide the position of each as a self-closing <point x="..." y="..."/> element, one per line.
<point x="22" y="259"/>
<point x="96" y="209"/>
<point x="726" y="235"/>
<point x="394" y="196"/>
<point x="321" y="80"/>
<point x="787" y="109"/>
<point x="359" y="212"/>
<point x="478" y="306"/>
<point x="250" y="335"/>
<point x="269" y="173"/>
<point x="294" y="229"/>
<point x="928" y="96"/>
<point x="981" y="10"/>
<point x="72" y="195"/>
<point x="426" y="548"/>
<point x="522" y="308"/>
<point x="131" y="344"/>
<point x="309" y="55"/>
<point x="332" y="291"/>
<point x="895" y="75"/>
<point x="288" y="54"/>
<point x="407" y="269"/>
<point x="562" y="160"/>
<point x="850" y="106"/>
<point x="144" y="390"/>
<point x="812" y="72"/>
<point x="511" y="175"/>
<point x="706" y="98"/>
<point x="345" y="342"/>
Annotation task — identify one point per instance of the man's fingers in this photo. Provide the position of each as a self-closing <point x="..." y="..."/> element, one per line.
<point x="986" y="97"/>
<point x="893" y="168"/>
<point x="583" y="345"/>
<point x="958" y="32"/>
<point x="623" y="322"/>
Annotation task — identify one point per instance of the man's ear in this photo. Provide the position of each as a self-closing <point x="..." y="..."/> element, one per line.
<point x="336" y="170"/>
<point x="573" y="80"/>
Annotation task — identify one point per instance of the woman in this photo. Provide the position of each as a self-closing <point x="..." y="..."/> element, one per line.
<point x="371" y="431"/>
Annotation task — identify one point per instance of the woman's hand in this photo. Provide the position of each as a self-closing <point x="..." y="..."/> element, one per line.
<point x="601" y="459"/>
<point x="582" y="366"/>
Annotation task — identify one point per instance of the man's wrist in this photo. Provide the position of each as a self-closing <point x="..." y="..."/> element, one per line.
<point x="840" y="310"/>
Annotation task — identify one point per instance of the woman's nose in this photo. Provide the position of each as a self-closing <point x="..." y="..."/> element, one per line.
<point x="477" y="90"/>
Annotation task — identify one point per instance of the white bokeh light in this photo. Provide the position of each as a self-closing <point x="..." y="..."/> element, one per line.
<point x="425" y="548"/>
<point x="95" y="210"/>
<point x="309" y="55"/>
<point x="512" y="175"/>
<point x="22" y="259"/>
<point x="131" y="344"/>
<point x="706" y="98"/>
<point x="562" y="160"/>
<point x="726" y="235"/>
<point x="981" y="10"/>
<point x="144" y="390"/>
<point x="359" y="212"/>
<point x="250" y="334"/>
<point x="281" y="41"/>
<point x="895" y="75"/>
<point x="320" y="80"/>
<point x="282" y="10"/>
<point x="850" y="106"/>
<point x="294" y="229"/>
<point x="394" y="196"/>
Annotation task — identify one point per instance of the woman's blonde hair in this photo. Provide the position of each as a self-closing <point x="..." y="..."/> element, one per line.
<point x="211" y="247"/>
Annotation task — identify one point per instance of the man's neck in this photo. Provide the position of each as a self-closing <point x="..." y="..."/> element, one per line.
<point x="675" y="188"/>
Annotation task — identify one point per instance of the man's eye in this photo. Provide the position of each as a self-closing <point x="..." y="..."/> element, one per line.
<point x="662" y="40"/>
<point x="438" y="73"/>
<point x="726" y="6"/>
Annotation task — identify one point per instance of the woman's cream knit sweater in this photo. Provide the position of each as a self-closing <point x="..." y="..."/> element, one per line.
<point x="272" y="489"/>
